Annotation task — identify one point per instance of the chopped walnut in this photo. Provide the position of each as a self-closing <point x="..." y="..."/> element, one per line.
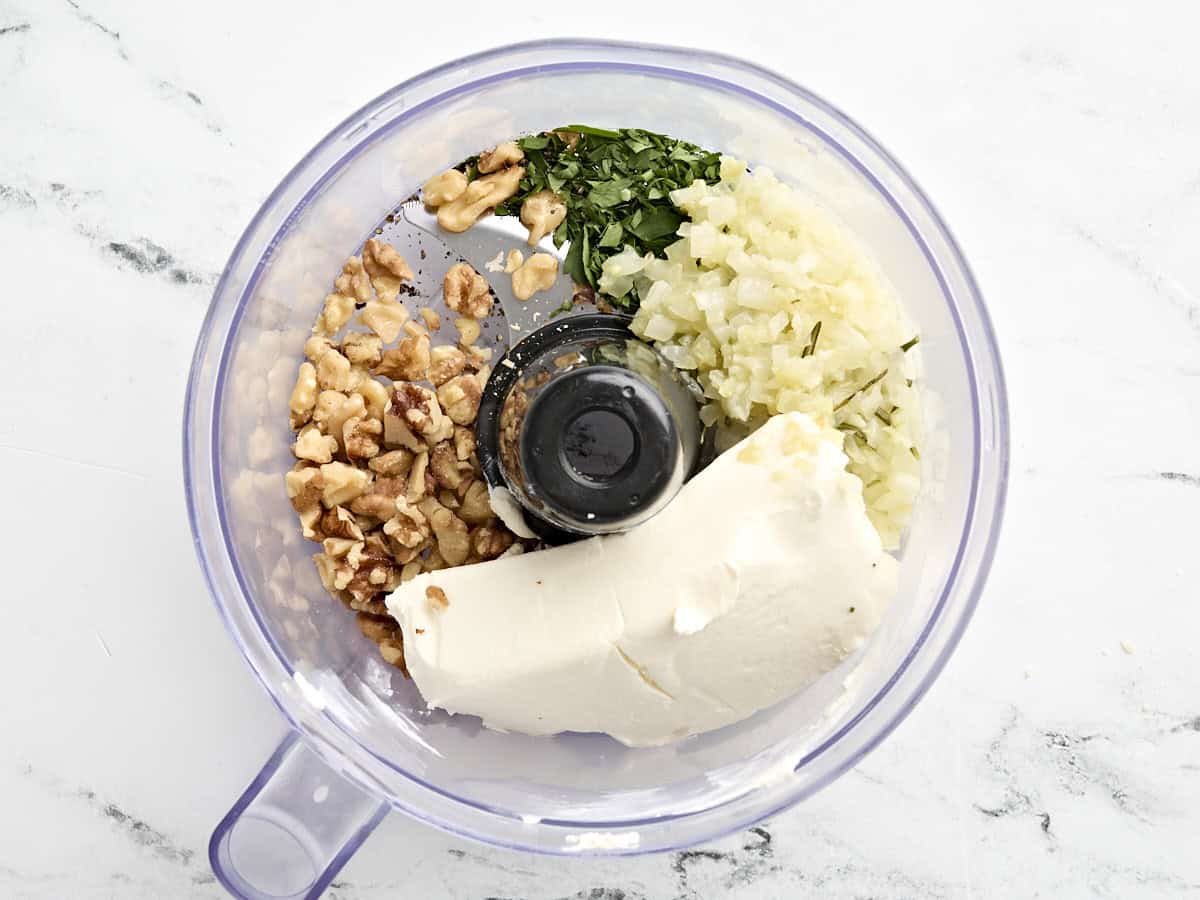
<point x="489" y="541"/>
<point x="376" y="628"/>
<point x="375" y="397"/>
<point x="538" y="273"/>
<point x="336" y="313"/>
<point x="305" y="487"/>
<point x="304" y="395"/>
<point x="541" y="213"/>
<point x="431" y="319"/>
<point x="386" y="267"/>
<point x="448" y="499"/>
<point x="480" y="196"/>
<point x="334" y="372"/>
<point x="437" y="597"/>
<point x="433" y="562"/>
<point x="392" y="651"/>
<point x="446" y="467"/>
<point x="394" y="462"/>
<point x="460" y="396"/>
<point x="444" y="363"/>
<point x="411" y="570"/>
<point x="453" y="539"/>
<point x="337" y="548"/>
<point x="361" y="436"/>
<point x="499" y="157"/>
<point x="414" y="411"/>
<point x="408" y="527"/>
<point x="385" y="317"/>
<point x="475" y="507"/>
<point x="353" y="281"/>
<point x="464" y="442"/>
<point x="477" y="359"/>
<point x="407" y="362"/>
<point x="314" y="446"/>
<point x="467" y="292"/>
<point x="339" y="522"/>
<point x="441" y="189"/>
<point x="315" y="347"/>
<point x="416" y="477"/>
<point x="362" y="349"/>
<point x="334" y="409"/>
<point x="468" y="331"/>
<point x="342" y="483"/>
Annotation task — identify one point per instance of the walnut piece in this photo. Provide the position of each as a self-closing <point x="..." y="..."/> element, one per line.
<point x="385" y="317"/>
<point x="312" y="445"/>
<point x="541" y="213"/>
<point x="353" y="282"/>
<point x="334" y="372"/>
<point x="417" y="486"/>
<point x="489" y="541"/>
<point x="362" y="349"/>
<point x="480" y="196"/>
<point x="441" y="189"/>
<point x="376" y="628"/>
<point x="413" y="412"/>
<point x="468" y="331"/>
<point x="342" y="483"/>
<point x="361" y="436"/>
<point x="339" y="522"/>
<point x="304" y="395"/>
<point x="475" y="507"/>
<point x="392" y="651"/>
<point x="334" y="315"/>
<point x="499" y="157"/>
<point x="446" y="467"/>
<point x="315" y="347"/>
<point x="453" y="538"/>
<point x="305" y="486"/>
<point x="537" y="273"/>
<point x="334" y="408"/>
<point x="460" y="397"/>
<point x="409" y="361"/>
<point x="467" y="292"/>
<point x="431" y="319"/>
<point x="394" y="462"/>
<point x="408" y="527"/>
<point x="375" y="397"/>
<point x="464" y="442"/>
<point x="386" y="267"/>
<point x="437" y="597"/>
<point x="444" y="363"/>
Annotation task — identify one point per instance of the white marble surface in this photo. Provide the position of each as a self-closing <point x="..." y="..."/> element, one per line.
<point x="1062" y="143"/>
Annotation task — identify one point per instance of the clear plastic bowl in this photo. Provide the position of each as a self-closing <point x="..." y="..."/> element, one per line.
<point x="363" y="742"/>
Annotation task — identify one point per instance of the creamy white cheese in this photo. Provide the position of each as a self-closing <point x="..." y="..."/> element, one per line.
<point x="763" y="574"/>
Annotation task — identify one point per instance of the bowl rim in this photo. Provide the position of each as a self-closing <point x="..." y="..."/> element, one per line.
<point x="685" y="65"/>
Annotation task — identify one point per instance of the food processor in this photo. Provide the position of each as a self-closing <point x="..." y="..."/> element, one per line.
<point x="360" y="742"/>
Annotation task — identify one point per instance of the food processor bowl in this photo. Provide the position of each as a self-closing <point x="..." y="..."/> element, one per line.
<point x="362" y="741"/>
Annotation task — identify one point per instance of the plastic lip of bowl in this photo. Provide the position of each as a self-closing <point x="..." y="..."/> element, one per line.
<point x="504" y="827"/>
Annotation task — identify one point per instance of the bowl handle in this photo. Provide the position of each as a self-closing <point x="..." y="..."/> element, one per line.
<point x="292" y="829"/>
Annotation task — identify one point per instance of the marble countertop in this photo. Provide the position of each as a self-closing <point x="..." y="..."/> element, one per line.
<point x="1059" y="753"/>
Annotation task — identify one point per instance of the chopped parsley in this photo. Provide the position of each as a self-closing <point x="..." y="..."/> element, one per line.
<point x="616" y="186"/>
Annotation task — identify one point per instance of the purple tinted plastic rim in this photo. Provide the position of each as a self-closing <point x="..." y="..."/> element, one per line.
<point x="974" y="298"/>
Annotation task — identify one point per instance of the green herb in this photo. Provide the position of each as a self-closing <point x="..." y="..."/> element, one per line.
<point x="616" y="186"/>
<point x="885" y="418"/>
<point x="812" y="341"/>
<point x="910" y="343"/>
<point x="870" y="384"/>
